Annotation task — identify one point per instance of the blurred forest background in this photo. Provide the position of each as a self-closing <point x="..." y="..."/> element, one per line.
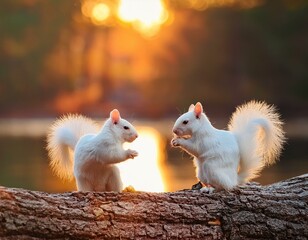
<point x="150" y="59"/>
<point x="55" y="59"/>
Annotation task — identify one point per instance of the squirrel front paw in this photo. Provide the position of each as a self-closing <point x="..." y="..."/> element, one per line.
<point x="175" y="142"/>
<point x="131" y="153"/>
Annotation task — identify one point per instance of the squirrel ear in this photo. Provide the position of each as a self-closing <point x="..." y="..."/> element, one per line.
<point x="191" y="108"/>
<point x="198" y="109"/>
<point x="115" y="116"/>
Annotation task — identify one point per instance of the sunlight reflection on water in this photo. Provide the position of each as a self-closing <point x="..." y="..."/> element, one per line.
<point x="143" y="172"/>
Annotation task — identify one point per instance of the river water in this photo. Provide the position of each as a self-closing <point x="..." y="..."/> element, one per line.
<point x="24" y="159"/>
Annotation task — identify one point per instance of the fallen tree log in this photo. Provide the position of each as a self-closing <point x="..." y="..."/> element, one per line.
<point x="277" y="211"/>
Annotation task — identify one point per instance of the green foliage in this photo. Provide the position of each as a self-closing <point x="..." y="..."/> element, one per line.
<point x="28" y="30"/>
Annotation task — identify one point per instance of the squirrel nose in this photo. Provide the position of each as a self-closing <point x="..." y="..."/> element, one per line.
<point x="136" y="135"/>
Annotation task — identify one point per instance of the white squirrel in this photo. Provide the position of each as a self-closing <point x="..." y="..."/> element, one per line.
<point x="95" y="151"/>
<point x="225" y="159"/>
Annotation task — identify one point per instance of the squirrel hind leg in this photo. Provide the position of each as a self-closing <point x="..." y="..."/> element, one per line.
<point x="83" y="185"/>
<point x="224" y="180"/>
<point x="114" y="182"/>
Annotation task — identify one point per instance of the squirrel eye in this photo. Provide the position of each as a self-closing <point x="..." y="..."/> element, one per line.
<point x="126" y="128"/>
<point x="185" y="122"/>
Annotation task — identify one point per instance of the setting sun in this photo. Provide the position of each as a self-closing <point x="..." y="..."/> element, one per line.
<point x="146" y="16"/>
<point x="143" y="172"/>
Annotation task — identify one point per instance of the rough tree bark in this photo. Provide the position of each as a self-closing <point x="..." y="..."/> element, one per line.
<point x="277" y="211"/>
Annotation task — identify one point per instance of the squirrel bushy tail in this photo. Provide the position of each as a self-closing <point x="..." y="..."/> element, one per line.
<point x="62" y="139"/>
<point x="260" y="137"/>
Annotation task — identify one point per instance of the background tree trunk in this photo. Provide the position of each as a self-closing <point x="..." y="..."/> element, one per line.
<point x="277" y="211"/>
